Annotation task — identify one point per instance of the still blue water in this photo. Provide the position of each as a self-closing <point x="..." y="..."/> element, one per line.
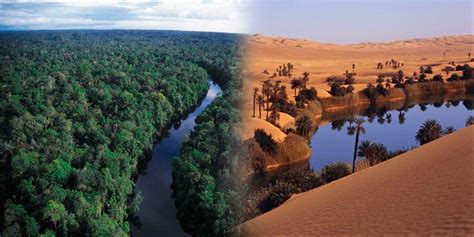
<point x="157" y="211"/>
<point x="330" y="145"/>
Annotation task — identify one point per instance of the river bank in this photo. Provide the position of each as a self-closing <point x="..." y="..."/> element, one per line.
<point x="157" y="213"/>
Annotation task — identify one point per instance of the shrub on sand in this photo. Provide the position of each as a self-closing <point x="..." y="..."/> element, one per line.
<point x="291" y="182"/>
<point x="266" y="141"/>
<point x="334" y="171"/>
<point x="293" y="149"/>
<point x="429" y="131"/>
<point x="362" y="164"/>
<point x="305" y="125"/>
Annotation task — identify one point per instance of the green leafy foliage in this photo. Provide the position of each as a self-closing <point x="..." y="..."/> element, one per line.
<point x="334" y="171"/>
<point x="266" y="141"/>
<point x="79" y="109"/>
<point x="205" y="184"/>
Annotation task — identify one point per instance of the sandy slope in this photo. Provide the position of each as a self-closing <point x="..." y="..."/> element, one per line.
<point x="251" y="124"/>
<point x="428" y="191"/>
<point x="323" y="60"/>
<point x="285" y="120"/>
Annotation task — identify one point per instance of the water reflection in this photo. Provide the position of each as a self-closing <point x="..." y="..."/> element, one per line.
<point x="335" y="142"/>
<point x="157" y="215"/>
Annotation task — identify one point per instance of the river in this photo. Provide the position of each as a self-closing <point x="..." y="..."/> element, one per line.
<point x="157" y="213"/>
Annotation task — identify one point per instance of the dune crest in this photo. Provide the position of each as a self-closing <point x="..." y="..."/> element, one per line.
<point x="427" y="191"/>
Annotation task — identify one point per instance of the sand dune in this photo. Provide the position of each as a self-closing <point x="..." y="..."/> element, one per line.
<point x="251" y="124"/>
<point x="427" y="191"/>
<point x="322" y="60"/>
<point x="285" y="120"/>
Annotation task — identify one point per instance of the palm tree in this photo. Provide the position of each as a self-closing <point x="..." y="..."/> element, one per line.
<point x="367" y="150"/>
<point x="304" y="125"/>
<point x="274" y="115"/>
<point x="255" y="92"/>
<point x="359" y="129"/>
<point x="266" y="90"/>
<point x="260" y="101"/>
<point x="295" y="84"/>
<point x="305" y="79"/>
<point x="429" y="131"/>
<point x="449" y="130"/>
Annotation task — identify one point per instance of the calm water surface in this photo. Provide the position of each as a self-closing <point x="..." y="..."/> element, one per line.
<point x="332" y="143"/>
<point x="157" y="211"/>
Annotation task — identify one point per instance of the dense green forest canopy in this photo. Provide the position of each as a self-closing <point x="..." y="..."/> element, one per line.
<point x="206" y="179"/>
<point x="79" y="109"/>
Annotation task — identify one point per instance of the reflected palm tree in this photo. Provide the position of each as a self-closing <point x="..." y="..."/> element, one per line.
<point x="423" y="107"/>
<point x="351" y="120"/>
<point x="388" y="117"/>
<point x="467" y="104"/>
<point x="350" y="128"/>
<point x="380" y="119"/>
<point x="371" y="118"/>
<point x="359" y="129"/>
<point x="338" y="124"/>
<point x="401" y="117"/>
<point x="438" y="104"/>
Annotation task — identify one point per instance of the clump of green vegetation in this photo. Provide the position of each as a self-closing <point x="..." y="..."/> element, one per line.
<point x="375" y="153"/>
<point x="305" y="125"/>
<point x="205" y="187"/>
<point x="78" y="111"/>
<point x="293" y="181"/>
<point x="266" y="141"/>
<point x="334" y="171"/>
<point x="429" y="131"/>
<point x="294" y="148"/>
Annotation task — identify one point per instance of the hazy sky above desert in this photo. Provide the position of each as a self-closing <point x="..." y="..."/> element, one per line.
<point x="349" y="21"/>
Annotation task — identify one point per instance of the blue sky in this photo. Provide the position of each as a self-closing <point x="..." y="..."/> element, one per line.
<point x="194" y="15"/>
<point x="349" y="21"/>
<point x="335" y="21"/>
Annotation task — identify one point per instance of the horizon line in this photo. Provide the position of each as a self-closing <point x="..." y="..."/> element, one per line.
<point x="361" y="42"/>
